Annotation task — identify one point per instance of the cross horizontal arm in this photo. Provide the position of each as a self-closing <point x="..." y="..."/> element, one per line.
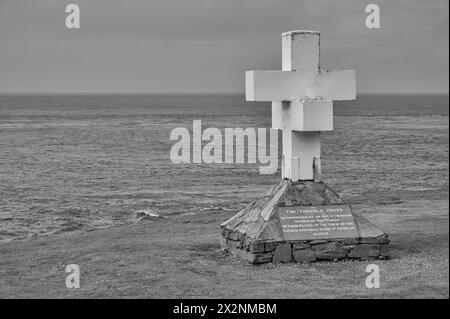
<point x="300" y="85"/>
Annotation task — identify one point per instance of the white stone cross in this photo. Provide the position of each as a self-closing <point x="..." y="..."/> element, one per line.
<point x="301" y="95"/>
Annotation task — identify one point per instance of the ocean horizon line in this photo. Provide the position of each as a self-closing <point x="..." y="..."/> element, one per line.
<point x="188" y="94"/>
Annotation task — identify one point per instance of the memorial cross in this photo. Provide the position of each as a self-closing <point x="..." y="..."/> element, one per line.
<point x="302" y="101"/>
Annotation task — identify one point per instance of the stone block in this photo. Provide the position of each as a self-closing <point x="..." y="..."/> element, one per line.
<point x="382" y="239"/>
<point x="365" y="250"/>
<point x="384" y="251"/>
<point x="331" y="250"/>
<point x="348" y="241"/>
<point x="319" y="241"/>
<point x="283" y="254"/>
<point x="234" y="235"/>
<point x="226" y="232"/>
<point x="365" y="228"/>
<point x="258" y="258"/>
<point x="270" y="247"/>
<point x="262" y="258"/>
<point x="298" y="246"/>
<point x="257" y="247"/>
<point x="234" y="244"/>
<point x="246" y="242"/>
<point x="304" y="255"/>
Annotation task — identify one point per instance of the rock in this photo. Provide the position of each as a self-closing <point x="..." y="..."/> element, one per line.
<point x="270" y="230"/>
<point x="309" y="193"/>
<point x="384" y="251"/>
<point x="318" y="241"/>
<point x="283" y="254"/>
<point x="382" y="239"/>
<point x="234" y="235"/>
<point x="246" y="242"/>
<point x="226" y="232"/>
<point x="262" y="258"/>
<point x="365" y="228"/>
<point x="258" y="258"/>
<point x="303" y="255"/>
<point x="222" y="231"/>
<point x="332" y="250"/>
<point x="257" y="247"/>
<point x="270" y="247"/>
<point x="348" y="241"/>
<point x="365" y="250"/>
<point x="301" y="246"/>
<point x="234" y="244"/>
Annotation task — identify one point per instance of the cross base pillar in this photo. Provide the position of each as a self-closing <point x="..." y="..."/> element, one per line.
<point x="300" y="151"/>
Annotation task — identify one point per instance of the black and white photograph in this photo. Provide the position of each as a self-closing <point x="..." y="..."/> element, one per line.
<point x="243" y="152"/>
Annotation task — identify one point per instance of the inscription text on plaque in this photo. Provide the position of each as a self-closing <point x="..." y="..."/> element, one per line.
<point x="317" y="222"/>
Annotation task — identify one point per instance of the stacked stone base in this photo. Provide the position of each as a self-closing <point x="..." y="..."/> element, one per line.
<point x="255" y="234"/>
<point x="305" y="251"/>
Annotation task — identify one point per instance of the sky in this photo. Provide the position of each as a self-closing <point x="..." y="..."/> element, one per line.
<point x="205" y="46"/>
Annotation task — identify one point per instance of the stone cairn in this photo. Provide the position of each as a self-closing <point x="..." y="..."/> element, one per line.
<point x="255" y="233"/>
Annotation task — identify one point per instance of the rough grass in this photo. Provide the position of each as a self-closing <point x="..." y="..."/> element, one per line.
<point x="180" y="257"/>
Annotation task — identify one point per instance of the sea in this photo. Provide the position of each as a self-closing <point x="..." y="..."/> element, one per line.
<point x="83" y="162"/>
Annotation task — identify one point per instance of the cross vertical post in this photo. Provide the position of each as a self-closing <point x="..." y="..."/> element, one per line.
<point x="300" y="51"/>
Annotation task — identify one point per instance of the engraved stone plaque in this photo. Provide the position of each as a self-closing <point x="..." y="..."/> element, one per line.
<point x="317" y="222"/>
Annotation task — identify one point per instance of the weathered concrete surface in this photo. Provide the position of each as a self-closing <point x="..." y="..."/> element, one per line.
<point x="303" y="115"/>
<point x="300" y="85"/>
